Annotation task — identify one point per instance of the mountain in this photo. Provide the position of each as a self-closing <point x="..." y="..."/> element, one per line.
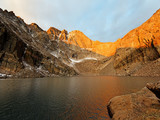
<point x="79" y="39"/>
<point x="137" y="51"/>
<point x="28" y="49"/>
<point x="138" y="48"/>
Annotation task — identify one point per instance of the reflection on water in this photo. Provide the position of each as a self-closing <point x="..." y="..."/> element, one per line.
<point x="75" y="98"/>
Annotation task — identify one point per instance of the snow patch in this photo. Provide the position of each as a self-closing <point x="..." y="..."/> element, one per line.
<point x="32" y="34"/>
<point x="81" y="60"/>
<point x="41" y="70"/>
<point x="27" y="65"/>
<point x="37" y="69"/>
<point x="68" y="64"/>
<point x="2" y="75"/>
<point x="54" y="53"/>
<point x="5" y="75"/>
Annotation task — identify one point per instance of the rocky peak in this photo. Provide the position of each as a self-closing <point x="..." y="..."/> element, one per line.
<point x="35" y="27"/>
<point x="53" y="32"/>
<point x="26" y="50"/>
<point x="1" y="10"/>
<point x="10" y="14"/>
<point x="140" y="45"/>
<point x="78" y="38"/>
<point x="7" y="13"/>
<point x="144" y="34"/>
<point x="63" y="35"/>
<point x="64" y="31"/>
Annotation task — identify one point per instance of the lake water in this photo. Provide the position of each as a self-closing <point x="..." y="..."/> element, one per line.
<point x="66" y="98"/>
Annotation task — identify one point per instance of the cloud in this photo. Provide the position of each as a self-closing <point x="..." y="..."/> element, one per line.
<point x="104" y="20"/>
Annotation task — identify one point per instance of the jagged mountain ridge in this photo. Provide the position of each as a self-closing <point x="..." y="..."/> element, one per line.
<point x="27" y="49"/>
<point x="136" y="38"/>
<point x="138" y="48"/>
<point x="130" y="54"/>
<point x="37" y="51"/>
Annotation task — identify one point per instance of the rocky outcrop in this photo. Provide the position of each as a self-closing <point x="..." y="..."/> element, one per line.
<point x="143" y="35"/>
<point x="53" y="31"/>
<point x="63" y="35"/>
<point x="125" y="58"/>
<point x="35" y="27"/>
<point x="143" y="105"/>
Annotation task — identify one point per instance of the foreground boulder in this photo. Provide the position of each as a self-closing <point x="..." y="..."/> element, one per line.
<point x="143" y="105"/>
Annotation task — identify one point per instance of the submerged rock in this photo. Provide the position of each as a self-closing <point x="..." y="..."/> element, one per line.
<point x="143" y="105"/>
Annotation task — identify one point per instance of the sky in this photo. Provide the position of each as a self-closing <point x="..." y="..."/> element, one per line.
<point x="103" y="20"/>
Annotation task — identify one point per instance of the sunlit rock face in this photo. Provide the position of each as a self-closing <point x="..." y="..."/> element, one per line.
<point x="79" y="39"/>
<point x="144" y="34"/>
<point x="53" y="33"/>
<point x="63" y="35"/>
<point x="138" y="47"/>
<point x="139" y="37"/>
<point x="130" y="53"/>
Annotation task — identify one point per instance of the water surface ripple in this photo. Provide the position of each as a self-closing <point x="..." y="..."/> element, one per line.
<point x="70" y="98"/>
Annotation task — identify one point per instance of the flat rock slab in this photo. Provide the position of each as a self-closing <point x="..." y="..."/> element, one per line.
<point x="143" y="105"/>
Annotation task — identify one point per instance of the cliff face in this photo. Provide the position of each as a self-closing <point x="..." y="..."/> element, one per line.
<point x="138" y="47"/>
<point x="29" y="51"/>
<point x="144" y="34"/>
<point x="25" y="50"/>
<point x="79" y="39"/>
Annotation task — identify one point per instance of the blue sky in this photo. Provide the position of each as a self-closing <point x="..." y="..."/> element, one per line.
<point x="103" y="20"/>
